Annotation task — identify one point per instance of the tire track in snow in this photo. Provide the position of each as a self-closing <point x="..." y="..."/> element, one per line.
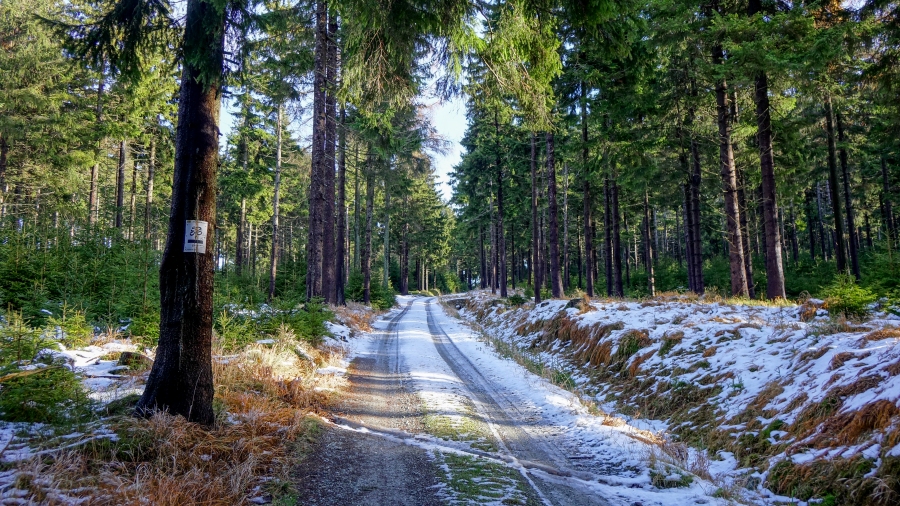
<point x="512" y="426"/>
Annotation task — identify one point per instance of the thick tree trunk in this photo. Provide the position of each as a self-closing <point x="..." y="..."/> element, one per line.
<point x="317" y="196"/>
<point x="848" y="201"/>
<point x="273" y="254"/>
<point x="120" y="184"/>
<point x="341" y="242"/>
<point x="535" y="237"/>
<point x="181" y="379"/>
<point x="367" y="246"/>
<point x="329" y="259"/>
<point x="833" y="185"/>
<point x="729" y="184"/>
<point x="553" y="209"/>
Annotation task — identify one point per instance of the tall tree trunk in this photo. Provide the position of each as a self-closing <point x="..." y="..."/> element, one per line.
<point x="329" y="259"/>
<point x="4" y="153"/>
<point x="729" y="184"/>
<point x="367" y="246"/>
<point x="848" y="201"/>
<point x="826" y="243"/>
<point x="133" y="201"/>
<point x="341" y="242"/>
<point x="587" y="197"/>
<point x="148" y="203"/>
<point x="181" y="379"/>
<point x="810" y="225"/>
<point x="834" y="189"/>
<point x="553" y="232"/>
<point x="120" y="185"/>
<point x="608" y="245"/>
<point x="404" y="259"/>
<point x="618" y="288"/>
<point x="356" y="208"/>
<point x="273" y="256"/>
<point x="385" y="282"/>
<point x="649" y="253"/>
<point x="482" y="259"/>
<point x="535" y="238"/>
<point x="501" y="232"/>
<point x="697" y="236"/>
<point x="94" y="196"/>
<point x="317" y="196"/>
<point x="745" y="234"/>
<point x="774" y="264"/>
<point x="795" y="246"/>
<point x="565" y="242"/>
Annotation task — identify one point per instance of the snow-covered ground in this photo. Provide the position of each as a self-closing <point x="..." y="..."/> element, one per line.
<point x="762" y="385"/>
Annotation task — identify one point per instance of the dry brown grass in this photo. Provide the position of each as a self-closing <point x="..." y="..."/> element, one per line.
<point x="893" y="369"/>
<point x="885" y="333"/>
<point x="708" y="352"/>
<point x="356" y="316"/>
<point x="264" y="397"/>
<point x="840" y="359"/>
<point x="635" y="367"/>
<point x="808" y="311"/>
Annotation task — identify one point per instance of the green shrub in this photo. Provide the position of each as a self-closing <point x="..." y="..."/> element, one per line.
<point x="72" y="329"/>
<point x="515" y="300"/>
<point x="845" y="297"/>
<point x="307" y="321"/>
<point x="235" y="331"/>
<point x="20" y="342"/>
<point x="50" y="395"/>
<point x="145" y="328"/>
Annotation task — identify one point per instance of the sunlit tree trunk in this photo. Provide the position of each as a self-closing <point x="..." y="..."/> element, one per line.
<point x="329" y="259"/>
<point x="317" y="197"/>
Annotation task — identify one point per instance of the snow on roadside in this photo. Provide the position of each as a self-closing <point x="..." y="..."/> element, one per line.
<point x="761" y="371"/>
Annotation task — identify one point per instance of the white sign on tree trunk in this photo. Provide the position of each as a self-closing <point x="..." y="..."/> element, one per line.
<point x="195" y="236"/>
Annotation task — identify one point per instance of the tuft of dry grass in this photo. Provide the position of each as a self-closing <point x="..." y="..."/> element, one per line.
<point x="708" y="352"/>
<point x="839" y="359"/>
<point x="885" y="333"/>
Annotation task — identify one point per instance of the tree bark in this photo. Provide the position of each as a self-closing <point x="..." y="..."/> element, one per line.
<point x="367" y="246"/>
<point x="132" y="204"/>
<point x="341" y="242"/>
<point x="316" y="240"/>
<point x="729" y="184"/>
<point x="745" y="232"/>
<point x="181" y="379"/>
<point x="273" y="256"/>
<point x="329" y="259"/>
<point x="810" y="227"/>
<point x="587" y="197"/>
<point x="608" y="246"/>
<point x="565" y="242"/>
<point x="535" y="238"/>
<point x="833" y="187"/>
<point x="385" y="282"/>
<point x="553" y="209"/>
<point x="696" y="237"/>
<point x="848" y="201"/>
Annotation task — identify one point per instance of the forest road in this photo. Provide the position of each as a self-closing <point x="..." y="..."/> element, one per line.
<point x="374" y="463"/>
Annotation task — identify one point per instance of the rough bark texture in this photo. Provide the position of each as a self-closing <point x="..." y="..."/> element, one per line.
<point x="553" y="232"/>
<point x="834" y="188"/>
<point x="607" y="228"/>
<point x="618" y="287"/>
<point x="181" y="380"/>
<point x="696" y="236"/>
<point x="745" y="234"/>
<point x="649" y="253"/>
<point x="341" y="240"/>
<point x="729" y="184"/>
<point x="315" y="239"/>
<point x="329" y="259"/>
